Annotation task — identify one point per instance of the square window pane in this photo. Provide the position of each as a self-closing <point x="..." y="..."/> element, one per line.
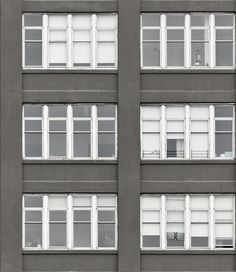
<point x="82" y="145"/>
<point x="57" y="235"/>
<point x="223" y="145"/>
<point x="82" y="235"/>
<point x="57" y="144"/>
<point x="33" y="53"/>
<point x="33" y="144"/>
<point x="224" y="54"/>
<point x="200" y="54"/>
<point x="175" y="235"/>
<point x="106" y="54"/>
<point x="151" y="19"/>
<point x="33" y="235"/>
<point x="106" y="235"/>
<point x="151" y="53"/>
<point x="175" y="54"/>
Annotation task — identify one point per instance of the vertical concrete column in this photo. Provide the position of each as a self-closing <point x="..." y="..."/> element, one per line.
<point x="10" y="136"/>
<point x="129" y="135"/>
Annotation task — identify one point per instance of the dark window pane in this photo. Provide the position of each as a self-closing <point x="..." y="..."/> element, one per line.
<point x="57" y="144"/>
<point x="151" y="54"/>
<point x="33" y="201"/>
<point x="224" y="243"/>
<point x="175" y="34"/>
<point x="223" y="111"/>
<point x="82" y="145"/>
<point x="33" y="19"/>
<point x="33" y="125"/>
<point x="33" y="145"/>
<point x="33" y="53"/>
<point x="224" y="34"/>
<point x="57" y="111"/>
<point x="106" y="110"/>
<point x="223" y="144"/>
<point x="224" y="54"/>
<point x="82" y="215"/>
<point x="106" y="145"/>
<point x="106" y="125"/>
<point x="199" y="241"/>
<point x="81" y="111"/>
<point x="151" y="19"/>
<point x="33" y="34"/>
<point x="223" y="125"/>
<point x="175" y="239"/>
<point x="175" y="54"/>
<point x="151" y="241"/>
<point x="57" y="216"/>
<point x="106" y="235"/>
<point x="224" y="20"/>
<point x="57" y="125"/>
<point x="32" y="110"/>
<point x="175" y="148"/>
<point x="82" y="235"/>
<point x="151" y="34"/>
<point x="33" y="216"/>
<point x="57" y="235"/>
<point x="81" y="125"/>
<point x="106" y="216"/>
<point x="175" y="20"/>
<point x="199" y="35"/>
<point x="33" y="235"/>
<point x="199" y="20"/>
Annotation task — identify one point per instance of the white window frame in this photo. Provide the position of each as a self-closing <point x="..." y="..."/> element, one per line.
<point x="187" y="132"/>
<point x="187" y="223"/>
<point x="69" y="43"/>
<point x="69" y="222"/>
<point x="187" y="43"/>
<point x="69" y="133"/>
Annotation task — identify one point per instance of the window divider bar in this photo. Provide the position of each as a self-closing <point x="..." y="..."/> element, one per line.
<point x="94" y="148"/>
<point x="94" y="222"/>
<point x="187" y="41"/>
<point x="45" y="42"/>
<point x="187" y="224"/>
<point x="163" y="222"/>
<point x="69" y="132"/>
<point x="163" y="43"/>
<point x="45" y="153"/>
<point x="69" y="222"/>
<point x="45" y="236"/>
<point x="187" y="132"/>
<point x="163" y="133"/>
<point x="212" y="222"/>
<point x="69" y="40"/>
<point x="211" y="131"/>
<point x="93" y="40"/>
<point x="23" y="222"/>
<point x="212" y="41"/>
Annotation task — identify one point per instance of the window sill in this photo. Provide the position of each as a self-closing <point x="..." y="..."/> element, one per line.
<point x="29" y="162"/>
<point x="70" y="71"/>
<point x="188" y="71"/>
<point x="180" y="161"/>
<point x="69" y="252"/>
<point x="189" y="252"/>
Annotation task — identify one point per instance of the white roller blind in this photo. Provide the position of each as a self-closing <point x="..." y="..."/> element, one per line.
<point x="151" y="229"/>
<point x="151" y="202"/>
<point x="151" y="112"/>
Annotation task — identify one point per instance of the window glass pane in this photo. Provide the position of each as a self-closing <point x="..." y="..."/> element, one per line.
<point x="57" y="54"/>
<point x="106" y="235"/>
<point x="151" y="19"/>
<point x="151" y="53"/>
<point x="104" y="201"/>
<point x="57" y="216"/>
<point x="151" y="34"/>
<point x="82" y="235"/>
<point x="57" y="21"/>
<point x="151" y="216"/>
<point x="33" y="34"/>
<point x="175" y="203"/>
<point x="199" y="126"/>
<point x="33" y="19"/>
<point x="199" y="112"/>
<point x="151" y="229"/>
<point x="32" y="110"/>
<point x="82" y="35"/>
<point x="175" y="54"/>
<point x="224" y="19"/>
<point x="82" y="54"/>
<point x="199" y="145"/>
<point x="82" y="21"/>
<point x="33" y="235"/>
<point x="175" y="235"/>
<point x="199" y="20"/>
<point x="33" y="144"/>
<point x="57" y="234"/>
<point x="199" y="202"/>
<point x="106" y="21"/>
<point x="175" y="126"/>
<point x="222" y="202"/>
<point x="57" y="125"/>
<point x="106" y="125"/>
<point x="82" y="125"/>
<point x="224" y="235"/>
<point x="57" y="202"/>
<point x="82" y="145"/>
<point x="33" y="201"/>
<point x="151" y="112"/>
<point x="199" y="235"/>
<point x="175" y="19"/>
<point x="33" y="216"/>
<point x="223" y="111"/>
<point x="106" y="35"/>
<point x="82" y="201"/>
<point x="151" y="126"/>
<point x="106" y="216"/>
<point x="223" y="125"/>
<point x="106" y="54"/>
<point x="224" y="34"/>
<point x="106" y="145"/>
<point x="82" y="215"/>
<point x="57" y="111"/>
<point x="175" y="148"/>
<point x="57" y="35"/>
<point x="57" y="144"/>
<point x="175" y="34"/>
<point x="150" y="202"/>
<point x="224" y="54"/>
<point x="200" y="54"/>
<point x="33" y="125"/>
<point x="106" y="110"/>
<point x="223" y="145"/>
<point x="175" y="112"/>
<point x="81" y="111"/>
<point x="33" y="53"/>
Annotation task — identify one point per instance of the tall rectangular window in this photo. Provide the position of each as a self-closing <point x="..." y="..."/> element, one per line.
<point x="32" y="34"/>
<point x="151" y="221"/>
<point x="78" y="221"/>
<point x="196" y="131"/>
<point x="224" y="131"/>
<point x="151" y="39"/>
<point x="175" y="131"/>
<point x="189" y="222"/>
<point x="78" y="131"/>
<point x="200" y="36"/>
<point x="71" y="41"/>
<point x="190" y="40"/>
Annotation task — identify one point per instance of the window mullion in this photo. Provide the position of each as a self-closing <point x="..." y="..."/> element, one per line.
<point x="23" y="41"/>
<point x="187" y="222"/>
<point x="45" y="223"/>
<point x="163" y="222"/>
<point x="94" y="222"/>
<point x="212" y="41"/>
<point x="94" y="42"/>
<point x="187" y="41"/>
<point x="45" y="42"/>
<point x="163" y="133"/>
<point x="23" y="222"/>
<point x="212" y="222"/>
<point x="163" y="43"/>
<point x="187" y="132"/>
<point x="212" y="132"/>
<point x="45" y="145"/>
<point x="69" y="41"/>
<point x="94" y="132"/>
<point x="69" y="222"/>
<point x="69" y="132"/>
